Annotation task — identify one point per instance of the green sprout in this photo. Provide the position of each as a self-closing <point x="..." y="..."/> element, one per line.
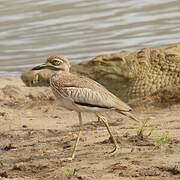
<point x="151" y="129"/>
<point x="155" y="143"/>
<point x="144" y="127"/>
<point x="141" y="129"/>
<point x="162" y="140"/>
<point x="68" y="172"/>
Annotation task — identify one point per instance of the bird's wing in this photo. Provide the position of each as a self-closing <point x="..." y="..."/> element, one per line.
<point x="86" y="91"/>
<point x="88" y="97"/>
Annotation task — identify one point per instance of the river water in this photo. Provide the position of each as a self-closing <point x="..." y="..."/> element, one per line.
<point x="30" y="30"/>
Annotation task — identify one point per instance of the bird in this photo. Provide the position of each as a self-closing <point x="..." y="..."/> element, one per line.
<point x="82" y="94"/>
<point x="41" y="77"/>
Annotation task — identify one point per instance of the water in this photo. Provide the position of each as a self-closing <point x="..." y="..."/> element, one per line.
<point x="30" y="30"/>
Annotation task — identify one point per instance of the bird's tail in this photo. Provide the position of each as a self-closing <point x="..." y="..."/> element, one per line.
<point x="128" y="114"/>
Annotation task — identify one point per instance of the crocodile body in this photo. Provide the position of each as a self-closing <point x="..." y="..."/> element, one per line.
<point x="132" y="75"/>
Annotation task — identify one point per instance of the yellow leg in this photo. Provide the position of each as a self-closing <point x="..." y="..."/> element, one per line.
<point x="79" y="135"/>
<point x="105" y="121"/>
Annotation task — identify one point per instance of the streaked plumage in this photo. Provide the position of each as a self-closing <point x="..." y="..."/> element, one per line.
<point x="85" y="92"/>
<point x="82" y="94"/>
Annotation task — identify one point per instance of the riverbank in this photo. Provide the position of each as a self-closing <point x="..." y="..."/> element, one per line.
<point x="36" y="133"/>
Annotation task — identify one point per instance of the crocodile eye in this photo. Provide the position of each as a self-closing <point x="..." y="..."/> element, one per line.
<point x="56" y="61"/>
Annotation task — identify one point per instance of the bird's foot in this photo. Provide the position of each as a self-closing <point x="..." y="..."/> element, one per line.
<point x="115" y="150"/>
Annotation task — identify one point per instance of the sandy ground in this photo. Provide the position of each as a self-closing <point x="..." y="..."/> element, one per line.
<point x="35" y="134"/>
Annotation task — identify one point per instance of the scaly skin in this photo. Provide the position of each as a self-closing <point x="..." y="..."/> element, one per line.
<point x="132" y="75"/>
<point x="157" y="69"/>
<point x="36" y="77"/>
<point x="135" y="75"/>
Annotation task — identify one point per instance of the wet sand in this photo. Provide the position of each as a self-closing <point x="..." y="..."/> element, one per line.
<point x="36" y="133"/>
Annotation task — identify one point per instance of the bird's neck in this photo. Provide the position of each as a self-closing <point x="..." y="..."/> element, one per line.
<point x="58" y="73"/>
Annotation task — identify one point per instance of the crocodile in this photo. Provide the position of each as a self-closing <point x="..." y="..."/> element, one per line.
<point x="33" y="78"/>
<point x="129" y="75"/>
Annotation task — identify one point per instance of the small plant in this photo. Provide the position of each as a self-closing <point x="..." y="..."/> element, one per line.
<point x="163" y="139"/>
<point x="159" y="142"/>
<point x="155" y="143"/>
<point x="151" y="129"/>
<point x="68" y="172"/>
<point x="143" y="127"/>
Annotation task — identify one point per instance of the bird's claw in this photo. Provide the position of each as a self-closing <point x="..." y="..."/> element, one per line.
<point x="114" y="151"/>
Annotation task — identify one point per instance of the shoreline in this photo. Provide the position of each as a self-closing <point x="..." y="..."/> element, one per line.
<point x="35" y="133"/>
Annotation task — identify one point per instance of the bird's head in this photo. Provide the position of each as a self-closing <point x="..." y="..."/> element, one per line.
<point x="55" y="63"/>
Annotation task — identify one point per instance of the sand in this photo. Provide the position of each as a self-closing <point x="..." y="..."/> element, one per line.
<point x="36" y="133"/>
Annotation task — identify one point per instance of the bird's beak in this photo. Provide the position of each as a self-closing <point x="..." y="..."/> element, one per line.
<point x="48" y="66"/>
<point x="41" y="66"/>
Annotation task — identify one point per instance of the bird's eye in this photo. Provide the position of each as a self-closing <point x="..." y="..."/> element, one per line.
<point x="56" y="62"/>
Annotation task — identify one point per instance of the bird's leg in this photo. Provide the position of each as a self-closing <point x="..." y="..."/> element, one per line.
<point x="99" y="119"/>
<point x="79" y="135"/>
<point x="105" y="121"/>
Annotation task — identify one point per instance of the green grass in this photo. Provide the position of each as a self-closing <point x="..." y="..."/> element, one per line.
<point x="149" y="129"/>
<point x="158" y="142"/>
<point x="145" y="127"/>
<point x="68" y="172"/>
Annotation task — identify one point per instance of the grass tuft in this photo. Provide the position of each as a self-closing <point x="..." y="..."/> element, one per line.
<point x="68" y="172"/>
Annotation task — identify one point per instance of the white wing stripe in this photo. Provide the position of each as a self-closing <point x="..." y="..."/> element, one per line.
<point x="85" y="95"/>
